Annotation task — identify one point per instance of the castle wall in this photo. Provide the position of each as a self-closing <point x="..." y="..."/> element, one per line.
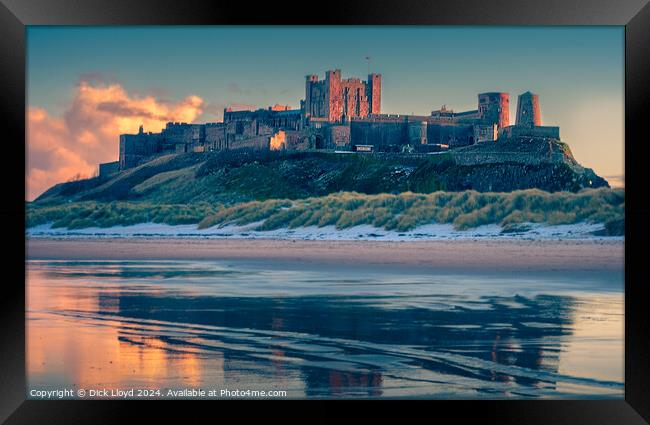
<point x="338" y="136"/>
<point x="453" y="135"/>
<point x="182" y="137"/>
<point x="109" y="168"/>
<point x="257" y="142"/>
<point x="355" y="101"/>
<point x="417" y="132"/>
<point x="396" y="130"/>
<point x="287" y="120"/>
<point x="485" y="133"/>
<point x="215" y="137"/>
<point x="289" y="140"/>
<point x="378" y="133"/>
<point x="135" y="148"/>
<point x="544" y="132"/>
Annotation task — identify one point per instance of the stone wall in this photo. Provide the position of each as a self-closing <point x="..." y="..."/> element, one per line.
<point x="417" y="132"/>
<point x="183" y="133"/>
<point x="257" y="142"/>
<point x="135" y="148"/>
<point x="480" y="158"/>
<point x="516" y="131"/>
<point x="338" y="136"/>
<point x="355" y="102"/>
<point x="485" y="133"/>
<point x="215" y="137"/>
<point x="297" y="140"/>
<point x="109" y="168"/>
<point x="454" y="135"/>
<point x="379" y="134"/>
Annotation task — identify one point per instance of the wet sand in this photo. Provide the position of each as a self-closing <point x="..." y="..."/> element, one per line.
<point x="573" y="255"/>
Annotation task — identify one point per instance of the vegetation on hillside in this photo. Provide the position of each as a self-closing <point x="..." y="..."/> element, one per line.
<point x="406" y="211"/>
<point x="401" y="212"/>
<point x="232" y="177"/>
<point x="81" y="215"/>
<point x="276" y="189"/>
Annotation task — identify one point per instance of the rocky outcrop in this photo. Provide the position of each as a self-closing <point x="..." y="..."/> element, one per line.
<point x="530" y="151"/>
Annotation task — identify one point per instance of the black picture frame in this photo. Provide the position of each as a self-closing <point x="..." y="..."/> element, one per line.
<point x="15" y="15"/>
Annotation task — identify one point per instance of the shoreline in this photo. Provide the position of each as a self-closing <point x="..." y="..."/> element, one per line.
<point x="505" y="255"/>
<point x="364" y="232"/>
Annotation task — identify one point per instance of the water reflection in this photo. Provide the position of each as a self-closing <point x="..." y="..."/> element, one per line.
<point x="324" y="333"/>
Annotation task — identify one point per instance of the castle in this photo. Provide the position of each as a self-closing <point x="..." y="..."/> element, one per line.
<point x="340" y="115"/>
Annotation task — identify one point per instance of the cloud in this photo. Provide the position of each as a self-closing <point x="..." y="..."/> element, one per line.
<point x="63" y="148"/>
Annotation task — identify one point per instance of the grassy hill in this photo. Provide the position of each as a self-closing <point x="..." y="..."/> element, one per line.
<point x="239" y="176"/>
<point x="394" y="191"/>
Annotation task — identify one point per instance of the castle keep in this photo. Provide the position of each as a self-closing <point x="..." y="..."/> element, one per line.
<point x="336" y="100"/>
<point x="341" y="115"/>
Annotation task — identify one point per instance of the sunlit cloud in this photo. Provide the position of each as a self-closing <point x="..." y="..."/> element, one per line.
<point x="70" y="146"/>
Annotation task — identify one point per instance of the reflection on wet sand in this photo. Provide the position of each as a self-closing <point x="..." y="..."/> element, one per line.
<point x="322" y="333"/>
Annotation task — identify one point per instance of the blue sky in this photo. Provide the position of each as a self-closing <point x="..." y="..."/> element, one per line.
<point x="578" y="72"/>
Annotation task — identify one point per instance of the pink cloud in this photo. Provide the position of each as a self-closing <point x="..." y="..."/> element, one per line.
<point x="63" y="148"/>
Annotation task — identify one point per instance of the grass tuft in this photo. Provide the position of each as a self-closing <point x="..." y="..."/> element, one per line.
<point x="401" y="212"/>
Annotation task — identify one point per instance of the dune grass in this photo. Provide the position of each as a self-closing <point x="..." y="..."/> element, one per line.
<point x="400" y="212"/>
<point x="96" y="214"/>
<point x="407" y="211"/>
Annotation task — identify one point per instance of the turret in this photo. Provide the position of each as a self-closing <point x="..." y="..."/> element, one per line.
<point x="494" y="108"/>
<point x="310" y="80"/>
<point x="333" y="95"/>
<point x="528" y="111"/>
<point x="374" y="93"/>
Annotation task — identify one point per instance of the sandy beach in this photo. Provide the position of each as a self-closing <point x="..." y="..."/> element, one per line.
<point x="575" y="255"/>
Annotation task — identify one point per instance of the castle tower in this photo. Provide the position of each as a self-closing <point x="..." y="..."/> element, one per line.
<point x="309" y="106"/>
<point x="494" y="108"/>
<point x="333" y="95"/>
<point x="374" y="93"/>
<point x="337" y="100"/>
<point x="528" y="111"/>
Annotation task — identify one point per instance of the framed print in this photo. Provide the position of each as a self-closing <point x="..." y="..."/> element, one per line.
<point x="410" y="201"/>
